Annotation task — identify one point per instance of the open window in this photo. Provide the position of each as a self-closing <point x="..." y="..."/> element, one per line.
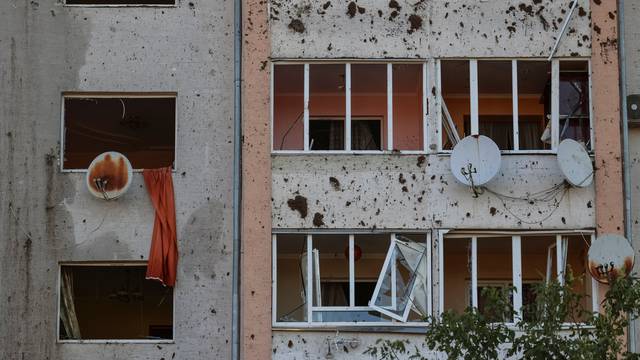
<point x="113" y="302"/>
<point x="359" y="107"/>
<point x="341" y="279"/>
<point x="142" y="127"/>
<point x="472" y="263"/>
<point x="121" y="2"/>
<point x="403" y="287"/>
<point x="522" y="105"/>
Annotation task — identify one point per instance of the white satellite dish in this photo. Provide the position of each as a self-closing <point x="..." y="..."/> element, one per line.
<point x="475" y="160"/>
<point x="610" y="256"/>
<point x="109" y="175"/>
<point x="575" y="163"/>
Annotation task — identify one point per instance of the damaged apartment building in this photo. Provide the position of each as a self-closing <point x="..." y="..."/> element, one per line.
<point x="149" y="79"/>
<point x="352" y="123"/>
<point x="337" y="218"/>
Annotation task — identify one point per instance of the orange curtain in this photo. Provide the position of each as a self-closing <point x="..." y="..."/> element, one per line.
<point x="163" y="255"/>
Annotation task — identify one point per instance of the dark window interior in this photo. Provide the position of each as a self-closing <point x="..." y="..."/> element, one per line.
<point x="113" y="302"/>
<point x="328" y="134"/>
<point x="500" y="129"/>
<point x="143" y="129"/>
<point x="121" y="2"/>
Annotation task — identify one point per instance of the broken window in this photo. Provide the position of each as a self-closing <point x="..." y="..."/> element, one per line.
<point x="140" y="127"/>
<point x="120" y="2"/>
<point x="340" y="278"/>
<point x="288" y="107"/>
<point x="495" y="102"/>
<point x="327" y="106"/>
<point x="534" y="104"/>
<point x="574" y="102"/>
<point x="455" y="101"/>
<point x="407" y="107"/>
<point x="348" y="107"/>
<point x="108" y="302"/>
<point x="473" y="264"/>
<point x="368" y="106"/>
<point x="511" y="102"/>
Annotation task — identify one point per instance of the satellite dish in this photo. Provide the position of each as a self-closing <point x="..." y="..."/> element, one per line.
<point x="610" y="256"/>
<point x="475" y="160"/>
<point x="109" y="175"/>
<point x="575" y="163"/>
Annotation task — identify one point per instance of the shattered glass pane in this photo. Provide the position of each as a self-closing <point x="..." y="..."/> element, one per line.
<point x="402" y="286"/>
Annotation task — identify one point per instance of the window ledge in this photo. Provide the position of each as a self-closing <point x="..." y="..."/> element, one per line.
<point x="117" y="341"/>
<point x="404" y="328"/>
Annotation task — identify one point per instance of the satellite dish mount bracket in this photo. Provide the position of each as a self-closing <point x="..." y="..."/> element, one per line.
<point x="468" y="174"/>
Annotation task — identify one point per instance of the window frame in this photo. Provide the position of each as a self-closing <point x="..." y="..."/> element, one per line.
<point x="474" y="97"/>
<point x="347" y="118"/>
<point x="310" y="309"/>
<point x="132" y="263"/>
<point x="115" y="95"/>
<point x="516" y="267"/>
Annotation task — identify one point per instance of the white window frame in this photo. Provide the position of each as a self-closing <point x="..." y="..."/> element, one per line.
<point x="347" y="131"/>
<point x="389" y="263"/>
<point x="114" y="95"/>
<point x="516" y="254"/>
<point x="107" y="341"/>
<point x="310" y="309"/>
<point x="474" y="96"/>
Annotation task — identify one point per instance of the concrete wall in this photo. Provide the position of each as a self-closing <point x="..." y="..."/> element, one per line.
<point x="417" y="192"/>
<point x="47" y="216"/>
<point x="422" y="29"/>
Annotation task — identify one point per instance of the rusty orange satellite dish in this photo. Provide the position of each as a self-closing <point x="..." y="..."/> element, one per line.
<point x="109" y="175"/>
<point x="610" y="256"/>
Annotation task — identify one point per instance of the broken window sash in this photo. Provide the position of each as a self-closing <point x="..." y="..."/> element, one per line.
<point x="402" y="285"/>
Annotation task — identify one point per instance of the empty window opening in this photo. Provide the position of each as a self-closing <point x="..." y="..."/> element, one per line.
<point x="534" y="104"/>
<point x="141" y="128"/>
<point x="494" y="269"/>
<point x="474" y="264"/>
<point x="113" y="302"/>
<point x="511" y="102"/>
<point x="457" y="274"/>
<point x="456" y="106"/>
<point x="349" y="107"/>
<point x="495" y="102"/>
<point x="288" y="107"/>
<point x="574" y="102"/>
<point x="369" y="101"/>
<point x="407" y="107"/>
<point x="291" y="278"/>
<point x="120" y="2"/>
<point x="327" y="100"/>
<point x="340" y="278"/>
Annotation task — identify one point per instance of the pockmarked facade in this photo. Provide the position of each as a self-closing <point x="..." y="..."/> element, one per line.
<point x="357" y="107"/>
<point x="336" y="218"/>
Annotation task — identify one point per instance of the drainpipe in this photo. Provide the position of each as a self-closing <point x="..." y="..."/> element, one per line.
<point x="631" y="341"/>
<point x="237" y="177"/>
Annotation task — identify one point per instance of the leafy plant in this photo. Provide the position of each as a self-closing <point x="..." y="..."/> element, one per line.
<point x="556" y="325"/>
